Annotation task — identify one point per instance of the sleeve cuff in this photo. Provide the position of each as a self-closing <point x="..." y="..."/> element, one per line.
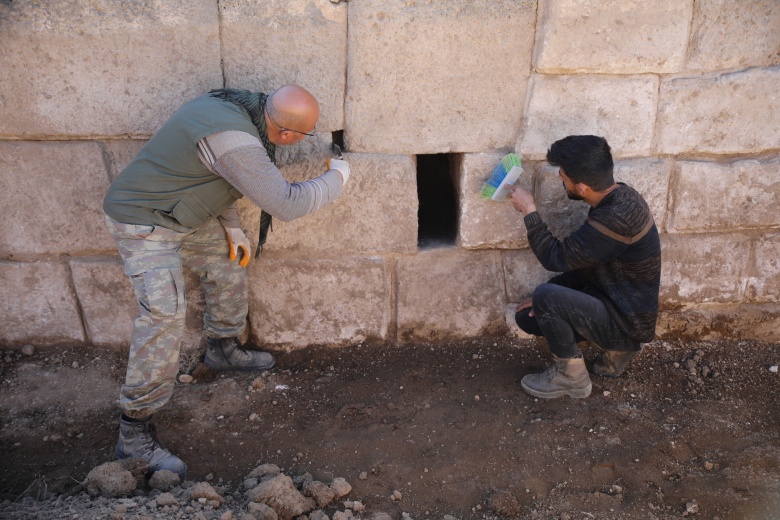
<point x="532" y="220"/>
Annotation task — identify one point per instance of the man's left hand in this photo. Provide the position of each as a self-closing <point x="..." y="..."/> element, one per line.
<point x="238" y="240"/>
<point x="522" y="200"/>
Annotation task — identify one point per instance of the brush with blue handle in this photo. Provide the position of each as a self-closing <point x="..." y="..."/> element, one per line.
<point x="506" y="173"/>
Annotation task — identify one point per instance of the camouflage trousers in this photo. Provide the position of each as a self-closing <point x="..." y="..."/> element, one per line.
<point x="154" y="259"/>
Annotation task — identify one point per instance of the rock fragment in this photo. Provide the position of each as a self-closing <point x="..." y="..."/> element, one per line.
<point x="280" y="493"/>
<point x="204" y="490"/>
<point x="261" y="511"/>
<point x="263" y="470"/>
<point x="164" y="480"/>
<point x="322" y="494"/>
<point x="341" y="487"/>
<point x="110" y="480"/>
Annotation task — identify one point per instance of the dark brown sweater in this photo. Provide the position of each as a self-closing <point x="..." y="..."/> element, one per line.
<point x="614" y="256"/>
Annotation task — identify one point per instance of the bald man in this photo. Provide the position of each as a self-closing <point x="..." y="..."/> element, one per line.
<point x="174" y="206"/>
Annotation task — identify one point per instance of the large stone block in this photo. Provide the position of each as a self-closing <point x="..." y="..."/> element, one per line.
<point x="562" y="215"/>
<point x="523" y="274"/>
<point x="485" y="223"/>
<point x="377" y="213"/>
<point x="704" y="268"/>
<point x="650" y="177"/>
<point x="109" y="305"/>
<point x="716" y="321"/>
<point x="450" y="293"/>
<point x="764" y="280"/>
<point x="621" y="109"/>
<point x="613" y="37"/>
<point x="716" y="197"/>
<point x="39" y="306"/>
<point x="119" y="153"/>
<point x="106" y="298"/>
<point x="269" y="43"/>
<point x="427" y="77"/>
<point x="732" y="113"/>
<point x="76" y="68"/>
<point x="52" y="195"/>
<point x="727" y="34"/>
<point x="299" y="302"/>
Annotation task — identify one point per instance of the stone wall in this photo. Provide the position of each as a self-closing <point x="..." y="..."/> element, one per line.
<point x="685" y="92"/>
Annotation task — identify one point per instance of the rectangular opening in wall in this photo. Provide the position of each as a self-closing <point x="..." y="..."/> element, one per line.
<point x="437" y="218"/>
<point x="338" y="138"/>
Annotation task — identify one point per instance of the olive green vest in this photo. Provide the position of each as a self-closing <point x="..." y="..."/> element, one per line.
<point x="165" y="184"/>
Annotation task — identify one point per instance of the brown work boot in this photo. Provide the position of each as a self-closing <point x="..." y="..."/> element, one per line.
<point x="227" y="354"/>
<point x="564" y="377"/>
<point x="613" y="362"/>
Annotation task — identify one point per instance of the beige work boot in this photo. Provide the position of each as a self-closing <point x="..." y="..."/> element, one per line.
<point x="564" y="377"/>
<point x="613" y="362"/>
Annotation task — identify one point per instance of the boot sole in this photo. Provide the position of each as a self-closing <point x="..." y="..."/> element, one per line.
<point x="579" y="393"/>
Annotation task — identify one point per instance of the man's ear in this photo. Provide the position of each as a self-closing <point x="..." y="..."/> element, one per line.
<point x="285" y="136"/>
<point x="582" y="189"/>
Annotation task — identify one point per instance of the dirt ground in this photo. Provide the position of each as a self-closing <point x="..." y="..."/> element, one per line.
<point x="691" y="430"/>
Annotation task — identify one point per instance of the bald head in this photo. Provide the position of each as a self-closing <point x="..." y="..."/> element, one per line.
<point x="293" y="107"/>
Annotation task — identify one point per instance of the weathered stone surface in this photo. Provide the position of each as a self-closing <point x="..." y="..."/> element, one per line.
<point x="75" y="68"/>
<point x="425" y="77"/>
<point x="52" y="194"/>
<point x="377" y="213"/>
<point x="270" y="43"/>
<point x="727" y="34"/>
<point x="713" y="321"/>
<point x="561" y="214"/>
<point x="729" y="113"/>
<point x="764" y="281"/>
<point x="119" y="153"/>
<point x="107" y="300"/>
<point x="297" y="302"/>
<point x="449" y="293"/>
<point x="715" y="197"/>
<point x="109" y="304"/>
<point x="613" y="37"/>
<point x="42" y="307"/>
<point x="703" y="268"/>
<point x="523" y="273"/>
<point x="620" y="109"/>
<point x="485" y="223"/>
<point x="650" y="177"/>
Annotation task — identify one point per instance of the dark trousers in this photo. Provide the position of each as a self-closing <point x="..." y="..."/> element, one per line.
<point x="565" y="316"/>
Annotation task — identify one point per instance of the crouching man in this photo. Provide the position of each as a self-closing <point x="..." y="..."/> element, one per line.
<point x="607" y="292"/>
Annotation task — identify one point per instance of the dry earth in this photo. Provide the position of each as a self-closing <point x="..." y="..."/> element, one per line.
<point x="691" y="430"/>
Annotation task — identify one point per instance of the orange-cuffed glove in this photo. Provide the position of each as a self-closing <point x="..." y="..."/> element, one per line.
<point x="238" y="240"/>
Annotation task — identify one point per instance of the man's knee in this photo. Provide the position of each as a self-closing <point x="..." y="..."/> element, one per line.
<point x="545" y="296"/>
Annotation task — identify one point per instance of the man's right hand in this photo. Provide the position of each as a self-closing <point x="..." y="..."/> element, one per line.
<point x="524" y="304"/>
<point x="522" y="200"/>
<point x="342" y="166"/>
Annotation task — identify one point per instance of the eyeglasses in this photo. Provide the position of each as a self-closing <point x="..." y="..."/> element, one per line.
<point x="282" y="129"/>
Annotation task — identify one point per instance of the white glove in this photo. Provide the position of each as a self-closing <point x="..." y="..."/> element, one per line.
<point x="340" y="165"/>
<point x="238" y="240"/>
